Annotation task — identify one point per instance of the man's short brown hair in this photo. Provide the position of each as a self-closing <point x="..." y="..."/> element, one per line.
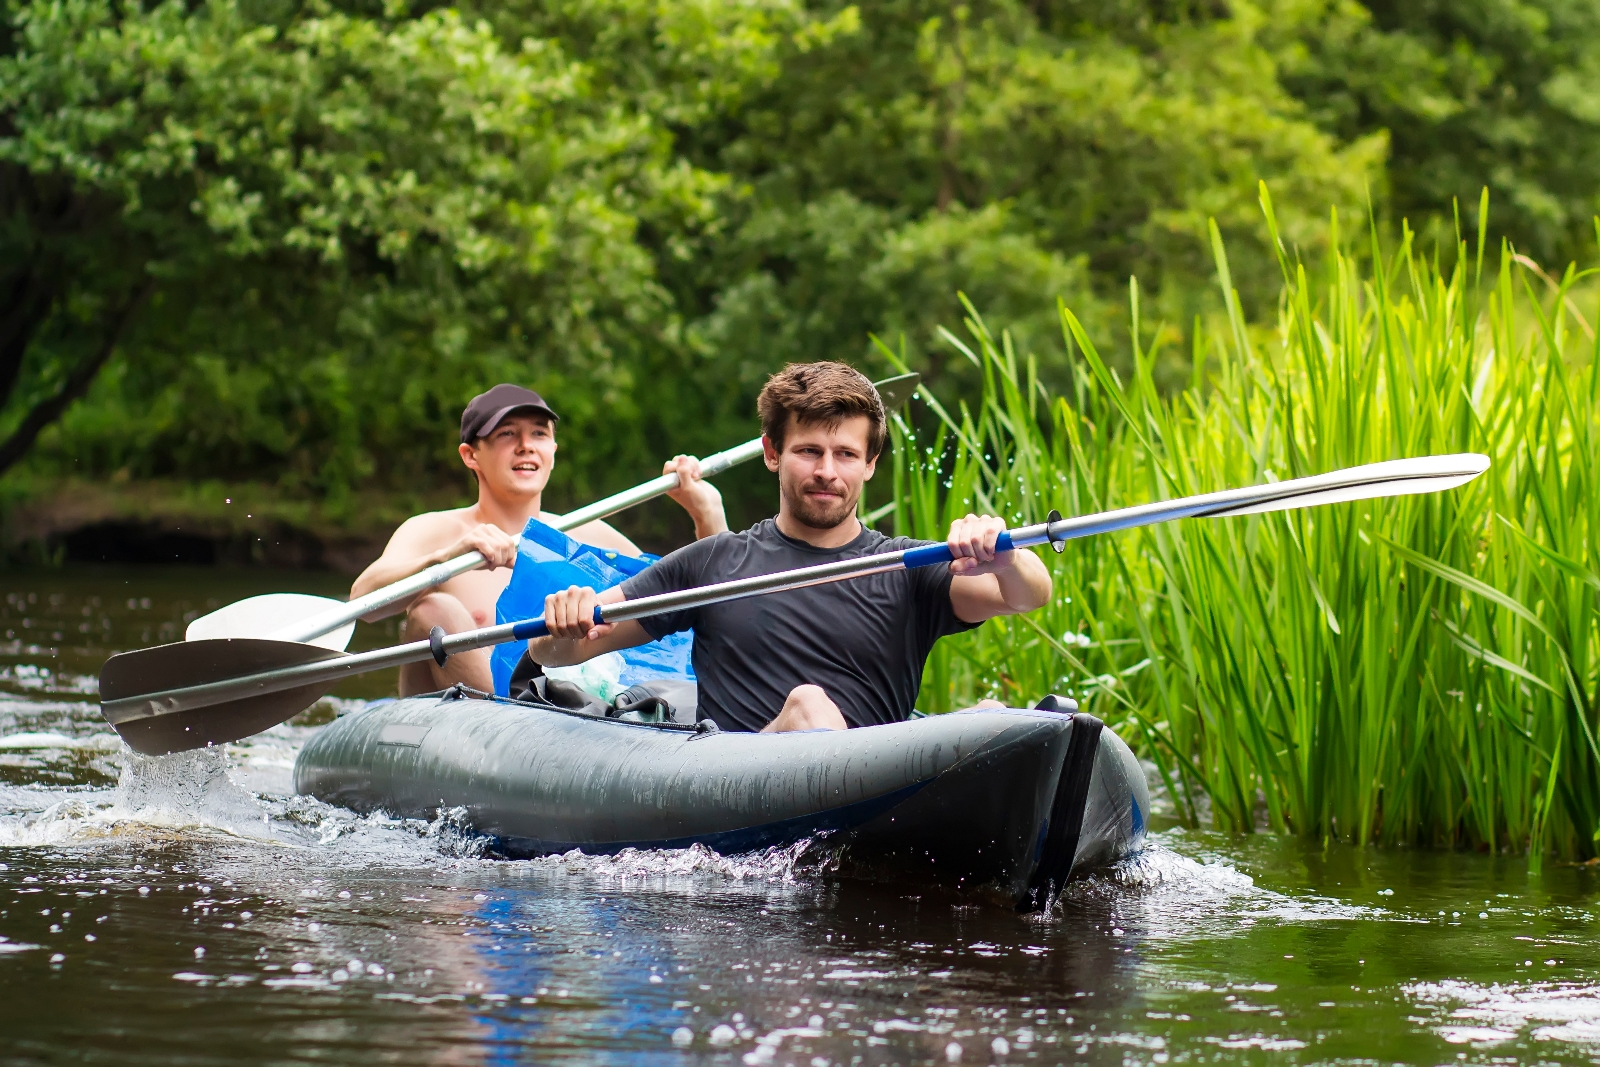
<point x="820" y="393"/>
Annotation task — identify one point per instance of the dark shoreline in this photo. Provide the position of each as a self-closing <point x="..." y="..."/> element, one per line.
<point x="165" y="522"/>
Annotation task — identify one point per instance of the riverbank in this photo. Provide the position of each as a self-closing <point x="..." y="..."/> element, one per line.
<point x="58" y="521"/>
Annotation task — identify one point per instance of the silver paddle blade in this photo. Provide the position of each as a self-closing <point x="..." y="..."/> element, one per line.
<point x="155" y="728"/>
<point x="896" y="391"/>
<point x="1399" y="477"/>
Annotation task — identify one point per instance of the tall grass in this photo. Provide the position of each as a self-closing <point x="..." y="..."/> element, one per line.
<point x="1422" y="669"/>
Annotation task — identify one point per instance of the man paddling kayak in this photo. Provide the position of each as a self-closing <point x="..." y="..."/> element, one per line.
<point x="827" y="656"/>
<point x="508" y="441"/>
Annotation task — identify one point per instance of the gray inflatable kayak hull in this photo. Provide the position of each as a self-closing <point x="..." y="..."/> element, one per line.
<point x="1020" y="801"/>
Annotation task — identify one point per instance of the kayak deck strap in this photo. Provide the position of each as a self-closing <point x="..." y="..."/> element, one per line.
<point x="1066" y="810"/>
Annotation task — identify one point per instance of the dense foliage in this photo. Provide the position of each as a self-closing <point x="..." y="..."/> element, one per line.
<point x="1417" y="670"/>
<point x="283" y="242"/>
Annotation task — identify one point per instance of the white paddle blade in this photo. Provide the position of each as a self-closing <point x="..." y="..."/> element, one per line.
<point x="258" y="616"/>
<point x="1399" y="477"/>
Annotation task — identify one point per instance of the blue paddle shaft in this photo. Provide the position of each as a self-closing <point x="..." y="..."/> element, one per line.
<point x="531" y="628"/>
<point x="928" y="555"/>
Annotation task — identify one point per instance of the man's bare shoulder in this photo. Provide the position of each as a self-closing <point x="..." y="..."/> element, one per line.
<point x="430" y="530"/>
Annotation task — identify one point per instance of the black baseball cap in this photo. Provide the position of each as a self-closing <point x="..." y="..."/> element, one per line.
<point x="487" y="409"/>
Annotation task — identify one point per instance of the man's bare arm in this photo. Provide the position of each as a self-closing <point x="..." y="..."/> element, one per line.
<point x="985" y="583"/>
<point x="424" y="540"/>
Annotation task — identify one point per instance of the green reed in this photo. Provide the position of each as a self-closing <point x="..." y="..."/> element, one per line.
<point x="1422" y="669"/>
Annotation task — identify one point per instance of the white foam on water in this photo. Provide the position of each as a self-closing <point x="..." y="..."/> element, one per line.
<point x="51" y="740"/>
<point x="773" y="865"/>
<point x="1159" y="888"/>
<point x="33" y="679"/>
<point x="1487" y="1015"/>
<point x="242" y="792"/>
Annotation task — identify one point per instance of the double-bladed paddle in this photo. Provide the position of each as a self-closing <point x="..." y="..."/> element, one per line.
<point x="329" y="623"/>
<point x="198" y="693"/>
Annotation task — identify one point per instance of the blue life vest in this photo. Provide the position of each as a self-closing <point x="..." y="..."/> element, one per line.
<point x="549" y="561"/>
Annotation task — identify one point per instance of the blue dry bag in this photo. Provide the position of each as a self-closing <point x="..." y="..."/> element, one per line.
<point x="549" y="561"/>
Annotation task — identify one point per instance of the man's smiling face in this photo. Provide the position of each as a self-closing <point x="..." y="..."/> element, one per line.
<point x="515" y="458"/>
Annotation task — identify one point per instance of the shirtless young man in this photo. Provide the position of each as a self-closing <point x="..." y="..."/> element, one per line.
<point x="508" y="440"/>
<point x="847" y="653"/>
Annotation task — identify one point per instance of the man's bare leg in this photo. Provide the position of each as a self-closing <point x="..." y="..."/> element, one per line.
<point x="469" y="668"/>
<point x="808" y="708"/>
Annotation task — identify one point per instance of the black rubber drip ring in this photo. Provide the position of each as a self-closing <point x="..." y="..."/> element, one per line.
<point x="1050" y="520"/>
<point x="436" y="645"/>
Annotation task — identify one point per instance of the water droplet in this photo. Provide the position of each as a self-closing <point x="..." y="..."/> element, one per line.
<point x="683" y="1036"/>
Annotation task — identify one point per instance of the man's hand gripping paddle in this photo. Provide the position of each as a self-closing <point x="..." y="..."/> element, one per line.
<point x="197" y="693"/>
<point x="329" y="623"/>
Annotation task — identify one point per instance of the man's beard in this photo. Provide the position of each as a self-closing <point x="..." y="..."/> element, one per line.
<point x="813" y="513"/>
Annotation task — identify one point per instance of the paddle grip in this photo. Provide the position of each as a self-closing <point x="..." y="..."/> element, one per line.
<point x="928" y="555"/>
<point x="531" y="628"/>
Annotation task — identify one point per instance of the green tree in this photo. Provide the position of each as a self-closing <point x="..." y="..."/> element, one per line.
<point x="1473" y="93"/>
<point x="1013" y="154"/>
<point x="305" y="230"/>
<point x="332" y="227"/>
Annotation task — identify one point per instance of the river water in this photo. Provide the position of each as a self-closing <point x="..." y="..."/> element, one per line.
<point x="188" y="910"/>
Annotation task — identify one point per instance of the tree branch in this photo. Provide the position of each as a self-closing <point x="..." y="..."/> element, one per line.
<point x="47" y="411"/>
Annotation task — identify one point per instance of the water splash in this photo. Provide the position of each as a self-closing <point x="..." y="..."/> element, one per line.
<point x="183" y="792"/>
<point x="1157" y="888"/>
<point x="798" y="862"/>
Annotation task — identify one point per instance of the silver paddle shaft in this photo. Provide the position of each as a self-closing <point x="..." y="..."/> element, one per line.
<point x="710" y="467"/>
<point x="327" y="621"/>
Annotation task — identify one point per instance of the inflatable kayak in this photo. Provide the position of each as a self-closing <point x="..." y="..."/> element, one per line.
<point x="1014" y="800"/>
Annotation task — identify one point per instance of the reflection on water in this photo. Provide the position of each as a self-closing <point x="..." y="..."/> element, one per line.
<point x="188" y="909"/>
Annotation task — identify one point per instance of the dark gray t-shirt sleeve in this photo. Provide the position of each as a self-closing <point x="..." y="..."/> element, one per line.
<point x="682" y="569"/>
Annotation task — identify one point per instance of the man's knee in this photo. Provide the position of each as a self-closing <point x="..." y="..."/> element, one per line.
<point x="436" y="609"/>
<point x="810" y="708"/>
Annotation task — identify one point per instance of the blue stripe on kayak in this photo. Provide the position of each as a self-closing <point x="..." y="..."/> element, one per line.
<point x="729" y="842"/>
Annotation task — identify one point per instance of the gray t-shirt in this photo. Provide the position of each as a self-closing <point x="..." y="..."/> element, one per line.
<point x="863" y="640"/>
